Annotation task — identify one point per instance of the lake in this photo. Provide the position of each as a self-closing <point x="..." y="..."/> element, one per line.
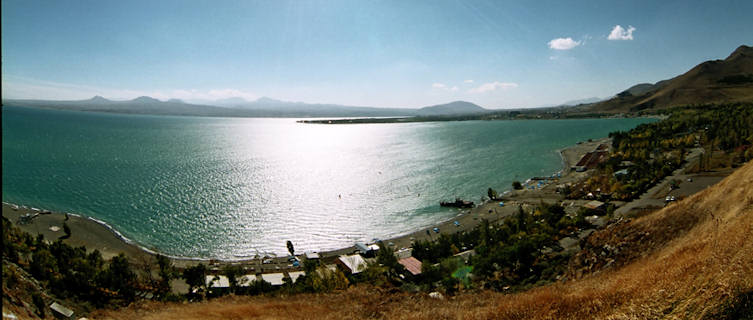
<point x="231" y="188"/>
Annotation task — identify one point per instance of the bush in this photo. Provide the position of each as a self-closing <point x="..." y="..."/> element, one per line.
<point x="516" y="185"/>
<point x="38" y="303"/>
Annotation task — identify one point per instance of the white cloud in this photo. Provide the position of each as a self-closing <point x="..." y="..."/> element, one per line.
<point x="468" y="81"/>
<point x="444" y="87"/>
<point x="491" y="86"/>
<point x="619" y="33"/>
<point x="563" y="43"/>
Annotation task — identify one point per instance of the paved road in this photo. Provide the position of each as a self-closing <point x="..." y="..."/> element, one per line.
<point x="654" y="197"/>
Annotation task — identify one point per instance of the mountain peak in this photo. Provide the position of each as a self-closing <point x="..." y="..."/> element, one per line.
<point x="452" y="108"/>
<point x="741" y="52"/>
<point x="267" y="100"/>
<point x="145" y="99"/>
<point x="98" y="99"/>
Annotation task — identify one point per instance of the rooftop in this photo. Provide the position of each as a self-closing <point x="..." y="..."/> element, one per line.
<point x="411" y="264"/>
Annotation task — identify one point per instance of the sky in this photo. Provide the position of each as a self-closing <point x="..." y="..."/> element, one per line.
<point x="498" y="54"/>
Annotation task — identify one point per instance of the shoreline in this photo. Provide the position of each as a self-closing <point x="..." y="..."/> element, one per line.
<point x="97" y="234"/>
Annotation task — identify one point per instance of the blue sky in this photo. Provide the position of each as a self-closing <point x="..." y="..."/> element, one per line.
<point x="498" y="54"/>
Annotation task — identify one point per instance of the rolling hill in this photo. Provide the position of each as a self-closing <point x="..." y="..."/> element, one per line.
<point x="717" y="81"/>
<point x="452" y="108"/>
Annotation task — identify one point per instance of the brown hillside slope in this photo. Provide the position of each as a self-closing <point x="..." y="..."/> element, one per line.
<point x="716" y="81"/>
<point x="702" y="259"/>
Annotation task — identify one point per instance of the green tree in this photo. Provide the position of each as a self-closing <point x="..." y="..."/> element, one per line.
<point x="195" y="276"/>
<point x="119" y="277"/>
<point x="232" y="272"/>
<point x="43" y="265"/>
<point x="492" y="194"/>
<point x="290" y="248"/>
<point x="167" y="272"/>
<point x="516" y="185"/>
<point x="66" y="230"/>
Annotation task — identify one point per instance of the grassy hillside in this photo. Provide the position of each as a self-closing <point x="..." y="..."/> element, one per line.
<point x="692" y="259"/>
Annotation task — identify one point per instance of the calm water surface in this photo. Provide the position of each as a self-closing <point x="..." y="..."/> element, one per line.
<point x="232" y="188"/>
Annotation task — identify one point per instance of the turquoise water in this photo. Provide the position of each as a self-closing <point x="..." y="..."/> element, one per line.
<point x="231" y="188"/>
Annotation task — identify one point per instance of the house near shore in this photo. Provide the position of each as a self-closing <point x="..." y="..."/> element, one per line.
<point x="411" y="264"/>
<point x="403" y="253"/>
<point x="216" y="284"/>
<point x="275" y="279"/>
<point x="366" y="250"/>
<point x="246" y="280"/>
<point x="352" y="264"/>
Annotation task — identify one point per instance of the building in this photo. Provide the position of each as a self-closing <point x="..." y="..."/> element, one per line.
<point x="353" y="264"/>
<point x="310" y="255"/>
<point x="246" y="280"/>
<point x="362" y="247"/>
<point x="465" y="255"/>
<point x="403" y="253"/>
<point x="411" y="264"/>
<point x="60" y="311"/>
<point x="594" y="205"/>
<point x="366" y="250"/>
<point x="217" y="281"/>
<point x="275" y="279"/>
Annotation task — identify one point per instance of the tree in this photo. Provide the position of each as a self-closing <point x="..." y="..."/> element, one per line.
<point x="290" y="248"/>
<point x="119" y="277"/>
<point x="232" y="273"/>
<point x="166" y="273"/>
<point x="516" y="185"/>
<point x="492" y="194"/>
<point x="386" y="257"/>
<point x="195" y="276"/>
<point x="66" y="230"/>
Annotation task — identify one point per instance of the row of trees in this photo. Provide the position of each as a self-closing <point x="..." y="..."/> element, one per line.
<point x="71" y="271"/>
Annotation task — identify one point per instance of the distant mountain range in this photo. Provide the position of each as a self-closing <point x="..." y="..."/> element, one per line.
<point x="239" y="107"/>
<point x="716" y="81"/>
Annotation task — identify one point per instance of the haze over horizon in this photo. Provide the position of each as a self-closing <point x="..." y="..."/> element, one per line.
<point x="386" y="54"/>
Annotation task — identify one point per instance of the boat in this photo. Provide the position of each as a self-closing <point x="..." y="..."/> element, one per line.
<point x="459" y="203"/>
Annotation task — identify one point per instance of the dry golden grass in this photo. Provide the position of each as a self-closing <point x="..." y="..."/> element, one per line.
<point x="703" y="263"/>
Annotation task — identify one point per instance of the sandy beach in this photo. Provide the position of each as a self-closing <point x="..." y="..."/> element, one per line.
<point x="96" y="235"/>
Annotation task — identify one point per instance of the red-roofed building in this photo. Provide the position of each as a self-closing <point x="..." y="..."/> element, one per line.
<point x="411" y="264"/>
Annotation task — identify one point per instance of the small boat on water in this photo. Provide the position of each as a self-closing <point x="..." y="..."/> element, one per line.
<point x="459" y="203"/>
